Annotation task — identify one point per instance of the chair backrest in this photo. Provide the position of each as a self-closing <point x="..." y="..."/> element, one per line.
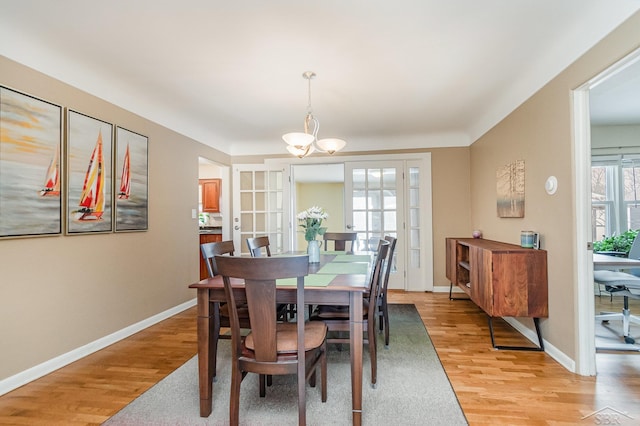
<point x="210" y="250"/>
<point x="256" y="244"/>
<point x="340" y="240"/>
<point x="388" y="264"/>
<point x="634" y="253"/>
<point x="375" y="278"/>
<point x="260" y="275"/>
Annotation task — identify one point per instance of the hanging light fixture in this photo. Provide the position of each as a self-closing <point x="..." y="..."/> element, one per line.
<point x="302" y="144"/>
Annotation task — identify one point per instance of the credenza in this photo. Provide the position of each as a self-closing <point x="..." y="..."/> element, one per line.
<point x="504" y="280"/>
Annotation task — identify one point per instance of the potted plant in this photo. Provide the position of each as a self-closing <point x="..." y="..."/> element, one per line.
<point x="616" y="243"/>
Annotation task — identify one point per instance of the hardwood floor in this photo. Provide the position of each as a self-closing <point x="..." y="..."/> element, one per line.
<point x="493" y="387"/>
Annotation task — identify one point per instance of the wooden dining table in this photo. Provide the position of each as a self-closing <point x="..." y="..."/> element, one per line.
<point x="348" y="286"/>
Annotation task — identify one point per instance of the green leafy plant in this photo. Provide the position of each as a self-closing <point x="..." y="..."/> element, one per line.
<point x="620" y="243"/>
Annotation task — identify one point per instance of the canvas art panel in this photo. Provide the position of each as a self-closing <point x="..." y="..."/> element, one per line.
<point x="510" y="189"/>
<point x="30" y="165"/>
<point x="131" y="184"/>
<point x="89" y="177"/>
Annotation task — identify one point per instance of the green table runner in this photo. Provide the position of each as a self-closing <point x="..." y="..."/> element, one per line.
<point x="313" y="280"/>
<point x="344" y="268"/>
<point x="352" y="258"/>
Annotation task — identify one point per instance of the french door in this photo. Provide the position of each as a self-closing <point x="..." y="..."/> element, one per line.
<point x="375" y="208"/>
<point x="261" y="206"/>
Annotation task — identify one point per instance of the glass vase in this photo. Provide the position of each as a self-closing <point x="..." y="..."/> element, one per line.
<point x="313" y="250"/>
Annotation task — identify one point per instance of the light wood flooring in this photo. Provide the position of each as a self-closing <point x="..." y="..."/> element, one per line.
<point x="493" y="387"/>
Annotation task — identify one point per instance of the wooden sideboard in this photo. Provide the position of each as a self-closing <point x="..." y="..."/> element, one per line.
<point x="504" y="280"/>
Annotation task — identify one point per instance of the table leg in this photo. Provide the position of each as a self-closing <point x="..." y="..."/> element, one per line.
<point x="355" y="335"/>
<point x="206" y="368"/>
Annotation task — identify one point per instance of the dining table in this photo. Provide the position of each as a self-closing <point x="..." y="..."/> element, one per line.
<point x="339" y="278"/>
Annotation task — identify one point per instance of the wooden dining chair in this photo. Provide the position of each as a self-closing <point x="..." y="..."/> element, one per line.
<point x="257" y="244"/>
<point x="337" y="317"/>
<point x="340" y="240"/>
<point x="272" y="347"/>
<point x="382" y="309"/>
<point x="221" y="310"/>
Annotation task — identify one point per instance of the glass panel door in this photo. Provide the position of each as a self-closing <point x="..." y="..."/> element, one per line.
<point x="258" y="206"/>
<point x="374" y="204"/>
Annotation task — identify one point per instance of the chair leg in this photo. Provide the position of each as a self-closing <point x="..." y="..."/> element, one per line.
<point x="263" y="388"/>
<point x="323" y="372"/>
<point x="234" y="401"/>
<point x="215" y="335"/>
<point x="385" y="315"/>
<point x="373" y="355"/>
<point x="302" y="397"/>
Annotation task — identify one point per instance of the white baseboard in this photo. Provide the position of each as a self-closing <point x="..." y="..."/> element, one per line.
<point x="33" y="373"/>
<point x="445" y="289"/>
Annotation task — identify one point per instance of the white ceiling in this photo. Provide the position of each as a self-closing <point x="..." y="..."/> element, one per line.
<point x="401" y="74"/>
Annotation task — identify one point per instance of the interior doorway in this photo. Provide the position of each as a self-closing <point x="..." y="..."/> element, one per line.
<point x="610" y="99"/>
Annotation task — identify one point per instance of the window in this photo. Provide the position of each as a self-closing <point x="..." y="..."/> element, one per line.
<point x="615" y="194"/>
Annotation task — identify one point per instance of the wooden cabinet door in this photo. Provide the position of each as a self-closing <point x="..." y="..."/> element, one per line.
<point x="210" y="195"/>
<point x="206" y="238"/>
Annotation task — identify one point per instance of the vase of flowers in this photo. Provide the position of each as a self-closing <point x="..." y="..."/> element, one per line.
<point x="311" y="221"/>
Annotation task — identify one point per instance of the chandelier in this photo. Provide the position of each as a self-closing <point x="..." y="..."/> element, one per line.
<point x="302" y="144"/>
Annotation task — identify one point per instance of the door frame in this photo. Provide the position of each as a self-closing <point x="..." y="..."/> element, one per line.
<point x="426" y="211"/>
<point x="583" y="268"/>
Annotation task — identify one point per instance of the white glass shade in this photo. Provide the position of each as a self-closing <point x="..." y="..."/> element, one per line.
<point x="331" y="145"/>
<point x="298" y="139"/>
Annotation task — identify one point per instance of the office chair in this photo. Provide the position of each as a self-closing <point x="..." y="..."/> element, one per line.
<point x="621" y="284"/>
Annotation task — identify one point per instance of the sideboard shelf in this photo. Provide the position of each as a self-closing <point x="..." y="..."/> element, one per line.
<point x="504" y="280"/>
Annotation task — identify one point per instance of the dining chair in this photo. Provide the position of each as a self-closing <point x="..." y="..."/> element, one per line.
<point x="257" y="244"/>
<point x="382" y="309"/>
<point x="272" y="347"/>
<point x="255" y="248"/>
<point x="221" y="310"/>
<point x="340" y="240"/>
<point x="337" y="317"/>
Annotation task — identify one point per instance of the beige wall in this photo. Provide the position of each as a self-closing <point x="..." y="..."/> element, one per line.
<point x="329" y="196"/>
<point x="60" y="293"/>
<point x="540" y="133"/>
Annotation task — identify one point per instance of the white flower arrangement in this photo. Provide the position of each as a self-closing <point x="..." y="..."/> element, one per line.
<point x="311" y="221"/>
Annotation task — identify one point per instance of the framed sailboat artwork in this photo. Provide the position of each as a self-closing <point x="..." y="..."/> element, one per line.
<point x="89" y="178"/>
<point x="30" y="166"/>
<point x="131" y="181"/>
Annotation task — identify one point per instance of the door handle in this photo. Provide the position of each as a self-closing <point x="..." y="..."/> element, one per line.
<point x="349" y="226"/>
<point x="237" y="228"/>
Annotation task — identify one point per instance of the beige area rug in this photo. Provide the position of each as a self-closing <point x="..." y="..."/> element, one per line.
<point x="413" y="389"/>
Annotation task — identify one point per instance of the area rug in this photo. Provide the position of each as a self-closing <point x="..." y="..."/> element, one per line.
<point x="412" y="389"/>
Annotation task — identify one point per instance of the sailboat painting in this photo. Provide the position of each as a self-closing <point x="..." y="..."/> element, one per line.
<point x="89" y="153"/>
<point x="131" y="202"/>
<point x="30" y="160"/>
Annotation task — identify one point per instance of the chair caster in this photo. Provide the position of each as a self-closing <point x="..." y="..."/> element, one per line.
<point x="374" y="385"/>
<point x="215" y="379"/>
<point x="386" y="347"/>
<point x="629" y="340"/>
